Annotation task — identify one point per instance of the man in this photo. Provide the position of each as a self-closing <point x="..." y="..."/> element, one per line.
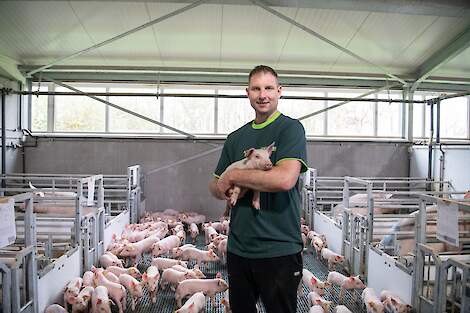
<point x="264" y="246"/>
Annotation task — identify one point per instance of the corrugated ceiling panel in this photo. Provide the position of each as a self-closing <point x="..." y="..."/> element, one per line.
<point x="436" y="37"/>
<point x="144" y="47"/>
<point x="305" y="51"/>
<point x="384" y="39"/>
<point x="191" y="38"/>
<point x="42" y="31"/>
<point x="252" y="36"/>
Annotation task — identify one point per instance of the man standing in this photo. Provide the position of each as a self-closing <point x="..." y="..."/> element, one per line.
<point x="264" y="247"/>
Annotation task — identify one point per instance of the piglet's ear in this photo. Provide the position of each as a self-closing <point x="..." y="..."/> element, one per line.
<point x="248" y="153"/>
<point x="270" y="147"/>
<point x="314" y="281"/>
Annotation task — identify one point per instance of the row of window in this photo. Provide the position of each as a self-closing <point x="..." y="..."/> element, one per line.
<point x="220" y="116"/>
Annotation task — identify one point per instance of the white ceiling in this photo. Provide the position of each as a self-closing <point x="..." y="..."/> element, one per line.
<point x="398" y="36"/>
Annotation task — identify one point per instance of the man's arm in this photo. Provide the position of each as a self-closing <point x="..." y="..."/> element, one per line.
<point x="282" y="177"/>
<point x="214" y="191"/>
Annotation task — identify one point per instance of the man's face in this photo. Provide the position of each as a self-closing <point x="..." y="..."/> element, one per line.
<point x="264" y="93"/>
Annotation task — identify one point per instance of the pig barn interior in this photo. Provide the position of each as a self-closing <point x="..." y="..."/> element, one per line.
<point x="114" y="115"/>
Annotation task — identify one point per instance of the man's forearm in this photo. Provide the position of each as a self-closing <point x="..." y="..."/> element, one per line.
<point x="279" y="178"/>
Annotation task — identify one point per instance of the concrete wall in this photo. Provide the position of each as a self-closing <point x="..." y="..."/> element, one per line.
<point x="456" y="164"/>
<point x="184" y="187"/>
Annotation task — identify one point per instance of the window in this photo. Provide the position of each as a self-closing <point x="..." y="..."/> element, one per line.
<point x="314" y="125"/>
<point x="79" y="113"/>
<point x="389" y="115"/>
<point x="418" y="117"/>
<point x="454" y="118"/>
<point x="123" y="122"/>
<point x="232" y="113"/>
<point x="351" y="119"/>
<point x="193" y="115"/>
<point x="39" y="110"/>
<point x="210" y="115"/>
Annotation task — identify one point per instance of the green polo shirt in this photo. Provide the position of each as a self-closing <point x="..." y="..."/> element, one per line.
<point x="275" y="229"/>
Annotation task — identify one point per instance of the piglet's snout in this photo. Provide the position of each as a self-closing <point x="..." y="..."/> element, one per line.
<point x="268" y="166"/>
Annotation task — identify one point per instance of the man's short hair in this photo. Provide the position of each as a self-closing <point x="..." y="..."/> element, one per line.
<point x="263" y="69"/>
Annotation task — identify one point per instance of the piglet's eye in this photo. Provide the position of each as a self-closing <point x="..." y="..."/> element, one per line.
<point x="257" y="156"/>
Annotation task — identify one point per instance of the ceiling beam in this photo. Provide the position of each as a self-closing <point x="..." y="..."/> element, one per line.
<point x="442" y="56"/>
<point x="449" y="8"/>
<point x="320" y="80"/>
<point x="9" y="69"/>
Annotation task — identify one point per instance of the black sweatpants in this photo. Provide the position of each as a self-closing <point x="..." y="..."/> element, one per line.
<point x="275" y="280"/>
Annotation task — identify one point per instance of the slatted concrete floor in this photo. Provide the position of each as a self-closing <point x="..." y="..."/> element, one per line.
<point x="166" y="303"/>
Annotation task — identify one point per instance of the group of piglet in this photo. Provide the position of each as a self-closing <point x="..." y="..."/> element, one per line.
<point x="162" y="235"/>
<point x="387" y="301"/>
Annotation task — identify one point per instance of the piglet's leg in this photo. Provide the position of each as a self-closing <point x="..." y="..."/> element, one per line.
<point x="234" y="197"/>
<point x="256" y="200"/>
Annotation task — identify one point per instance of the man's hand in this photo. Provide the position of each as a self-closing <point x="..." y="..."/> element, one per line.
<point x="224" y="185"/>
<point x="215" y="191"/>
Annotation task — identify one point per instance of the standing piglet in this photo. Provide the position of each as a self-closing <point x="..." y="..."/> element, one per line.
<point x="116" y="260"/>
<point x="313" y="283"/>
<point x="111" y="276"/>
<point x="318" y="244"/>
<point x="195" y="304"/>
<point x="100" y="302"/>
<point x="199" y="255"/>
<point x="135" y="250"/>
<point x="222" y="249"/>
<point x="226" y="302"/>
<point x="371" y="301"/>
<point x="55" y="308"/>
<point x="176" y="252"/>
<point x="88" y="279"/>
<point x="71" y="291"/>
<point x="342" y="309"/>
<point x="352" y="282"/>
<point x="393" y="303"/>
<point x="196" y="271"/>
<point x="173" y="277"/>
<point x="226" y="229"/>
<point x="254" y="159"/>
<point x="208" y="286"/>
<point x="165" y="245"/>
<point x="133" y="271"/>
<point x="133" y="286"/>
<point x="193" y="231"/>
<point x="83" y="300"/>
<point x="316" y="309"/>
<point x="164" y="263"/>
<point x="152" y="277"/>
<point x="333" y="258"/>
<point x="316" y="299"/>
<point x="116" y="291"/>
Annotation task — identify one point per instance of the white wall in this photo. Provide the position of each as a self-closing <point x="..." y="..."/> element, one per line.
<point x="456" y="164"/>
